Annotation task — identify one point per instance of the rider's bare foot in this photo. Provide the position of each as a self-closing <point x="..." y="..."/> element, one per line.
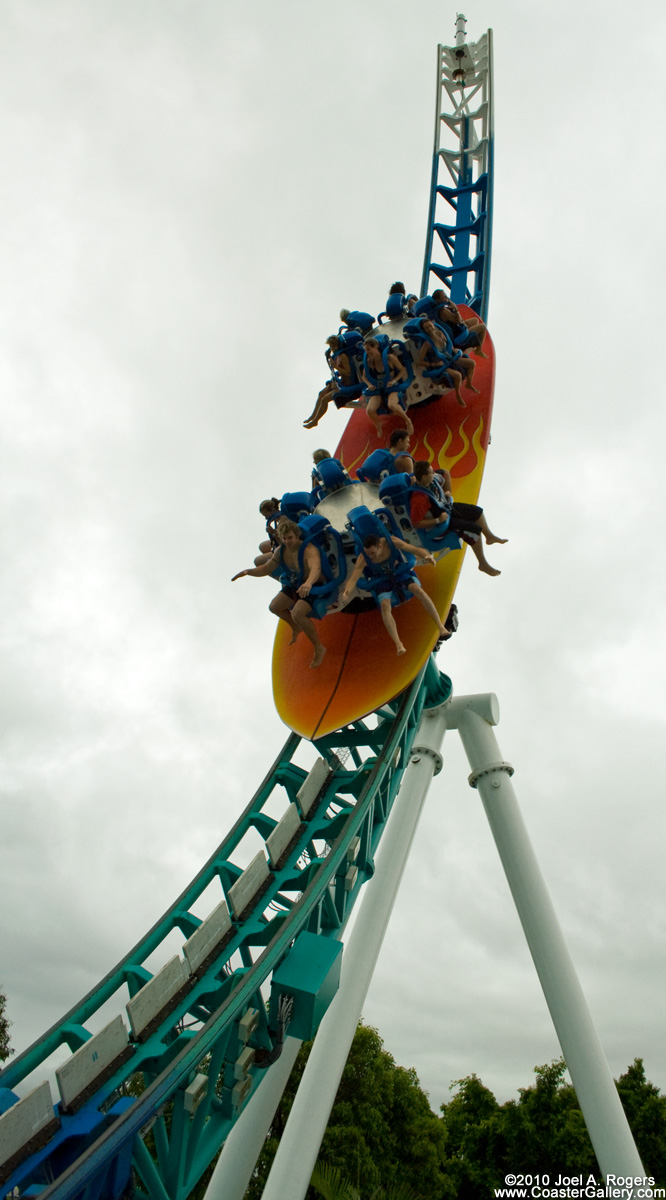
<point x="401" y="649"/>
<point x="461" y="402"/>
<point x="318" y="656"/>
<point x="492" y="537"/>
<point x="477" y="391"/>
<point x="294" y="636"/>
<point x="479" y="353"/>
<point x="488" y="570"/>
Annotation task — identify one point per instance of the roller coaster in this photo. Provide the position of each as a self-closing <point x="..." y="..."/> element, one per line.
<point x="145" y="1104"/>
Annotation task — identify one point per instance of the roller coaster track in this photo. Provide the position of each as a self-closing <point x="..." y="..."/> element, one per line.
<point x="161" y="1065"/>
<point x="197" y="1050"/>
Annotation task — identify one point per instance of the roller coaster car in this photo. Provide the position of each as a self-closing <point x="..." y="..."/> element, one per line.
<point x="361" y="671"/>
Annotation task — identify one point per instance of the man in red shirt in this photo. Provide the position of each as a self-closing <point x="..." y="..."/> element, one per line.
<point x="467" y="520"/>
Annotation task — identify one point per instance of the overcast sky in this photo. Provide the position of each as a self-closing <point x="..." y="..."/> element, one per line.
<point x="189" y="193"/>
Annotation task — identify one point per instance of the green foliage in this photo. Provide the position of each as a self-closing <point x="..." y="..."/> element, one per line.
<point x="330" y="1183"/>
<point x="543" y="1131"/>
<point x="383" y="1141"/>
<point x="382" y="1133"/>
<point x="646" y="1113"/>
<point x="474" y="1138"/>
<point x="5" y="1047"/>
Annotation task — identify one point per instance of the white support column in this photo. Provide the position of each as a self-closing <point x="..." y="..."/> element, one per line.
<point x="607" y="1125"/>
<point x="234" y="1167"/>
<point x="299" y="1147"/>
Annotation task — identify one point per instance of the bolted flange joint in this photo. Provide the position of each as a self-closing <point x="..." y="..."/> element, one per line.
<point x="490" y="769"/>
<point x="419" y="751"/>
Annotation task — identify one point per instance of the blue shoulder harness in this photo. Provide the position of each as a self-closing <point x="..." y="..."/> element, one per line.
<point x="395" y="573"/>
<point x="319" y="532"/>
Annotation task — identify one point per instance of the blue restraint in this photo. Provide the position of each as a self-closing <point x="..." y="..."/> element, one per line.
<point x="396" y="307"/>
<point x="319" y="532"/>
<point x="376" y="466"/>
<point x="328" y="476"/>
<point x="426" y="307"/>
<point x="271" y="528"/>
<point x="395" y="574"/>
<point x="414" y="331"/>
<point x="380" y="387"/>
<point x="396" y="492"/>
<point x="295" y="505"/>
<point x="352" y="346"/>
<point x="358" y="320"/>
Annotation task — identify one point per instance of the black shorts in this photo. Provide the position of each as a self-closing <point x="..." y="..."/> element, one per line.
<point x="293" y="595"/>
<point x="466" y="339"/>
<point x="464" y="520"/>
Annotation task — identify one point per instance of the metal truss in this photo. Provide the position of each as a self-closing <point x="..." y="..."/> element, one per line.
<point x="147" y="1110"/>
<point x="462" y="173"/>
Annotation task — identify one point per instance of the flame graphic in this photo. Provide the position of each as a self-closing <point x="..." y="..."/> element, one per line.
<point x="465" y="460"/>
<point x="442" y="453"/>
<point x="359" y="457"/>
<point x="449" y="463"/>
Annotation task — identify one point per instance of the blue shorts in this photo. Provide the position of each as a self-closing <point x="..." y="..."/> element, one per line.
<point x="404" y="584"/>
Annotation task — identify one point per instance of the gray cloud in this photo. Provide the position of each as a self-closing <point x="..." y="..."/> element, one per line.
<point x="189" y="195"/>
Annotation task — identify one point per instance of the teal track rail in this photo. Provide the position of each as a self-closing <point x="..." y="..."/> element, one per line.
<point x="137" y="1130"/>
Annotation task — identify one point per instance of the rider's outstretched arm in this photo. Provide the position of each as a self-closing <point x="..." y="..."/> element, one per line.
<point x="266" y="568"/>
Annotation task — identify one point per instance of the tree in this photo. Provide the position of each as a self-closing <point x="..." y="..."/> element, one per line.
<point x="382" y="1133"/>
<point x="543" y="1132"/>
<point x="383" y="1142"/>
<point x="332" y="1185"/>
<point x="475" y="1139"/>
<point x="5" y="1048"/>
<point x="646" y="1113"/>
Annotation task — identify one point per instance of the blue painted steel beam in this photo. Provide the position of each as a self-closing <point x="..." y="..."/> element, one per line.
<point x="468" y="242"/>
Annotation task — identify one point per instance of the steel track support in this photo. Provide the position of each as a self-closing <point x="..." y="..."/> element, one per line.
<point x="299" y="1146"/>
<point x="234" y="1167"/>
<point x="604" y="1116"/>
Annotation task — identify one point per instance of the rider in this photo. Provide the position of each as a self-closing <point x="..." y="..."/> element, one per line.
<point x="466" y="332"/>
<point x="467" y="520"/>
<point x="291" y="603"/>
<point x="382" y="375"/>
<point x="378" y="558"/>
<point x="339" y="361"/>
<point x="399" y="441"/>
<point x="270" y="511"/>
<point x="444" y="346"/>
